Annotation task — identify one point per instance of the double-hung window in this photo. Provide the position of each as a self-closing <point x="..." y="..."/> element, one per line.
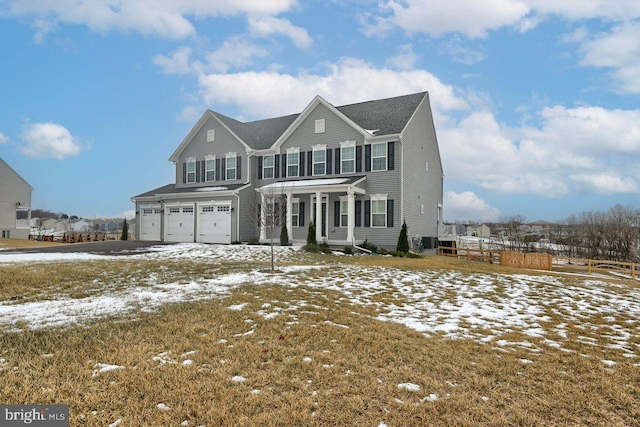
<point x="268" y="166"/>
<point x="379" y="156"/>
<point x="378" y="211"/>
<point x="230" y="166"/>
<point x="347" y="157"/>
<point x="295" y="213"/>
<point x="319" y="160"/>
<point x="210" y="168"/>
<point x="344" y="212"/>
<point x="191" y="170"/>
<point x="293" y="162"/>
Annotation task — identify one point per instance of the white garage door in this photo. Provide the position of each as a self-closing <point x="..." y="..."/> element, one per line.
<point x="214" y="224"/>
<point x="150" y="224"/>
<point x="180" y="224"/>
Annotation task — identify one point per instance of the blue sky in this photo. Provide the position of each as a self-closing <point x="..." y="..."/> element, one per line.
<point x="536" y="102"/>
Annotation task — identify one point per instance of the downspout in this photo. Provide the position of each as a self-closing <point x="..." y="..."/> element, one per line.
<point x="401" y="178"/>
<point x="238" y="215"/>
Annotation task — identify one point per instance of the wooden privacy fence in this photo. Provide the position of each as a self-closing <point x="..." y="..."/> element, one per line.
<point x="539" y="261"/>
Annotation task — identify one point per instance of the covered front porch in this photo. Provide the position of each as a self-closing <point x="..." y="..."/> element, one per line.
<point x="330" y="203"/>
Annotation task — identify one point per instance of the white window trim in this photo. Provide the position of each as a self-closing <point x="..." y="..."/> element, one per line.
<point x="319" y="148"/>
<point x="297" y="164"/>
<point x="211" y="135"/>
<point x="272" y="167"/>
<point x="386" y="159"/>
<point x="347" y="144"/>
<point x="295" y="201"/>
<point x="320" y="126"/>
<point x="233" y="156"/>
<point x="378" y="198"/>
<point x="206" y="170"/>
<point x="191" y="160"/>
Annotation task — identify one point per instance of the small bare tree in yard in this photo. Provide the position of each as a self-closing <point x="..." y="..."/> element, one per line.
<point x="510" y="231"/>
<point x="268" y="214"/>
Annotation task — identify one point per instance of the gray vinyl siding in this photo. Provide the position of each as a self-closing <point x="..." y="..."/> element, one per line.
<point x="198" y="148"/>
<point x="13" y="190"/>
<point x="421" y="187"/>
<point x="382" y="182"/>
<point x="247" y="215"/>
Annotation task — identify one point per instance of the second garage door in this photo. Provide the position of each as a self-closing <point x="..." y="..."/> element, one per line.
<point x="214" y="224"/>
<point x="180" y="224"/>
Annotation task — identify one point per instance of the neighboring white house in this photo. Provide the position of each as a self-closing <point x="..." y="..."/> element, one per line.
<point x="357" y="171"/>
<point x="481" y="230"/>
<point x="15" y="203"/>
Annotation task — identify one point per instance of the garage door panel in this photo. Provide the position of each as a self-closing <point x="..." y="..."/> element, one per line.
<point x="150" y="224"/>
<point x="180" y="223"/>
<point x="214" y="224"/>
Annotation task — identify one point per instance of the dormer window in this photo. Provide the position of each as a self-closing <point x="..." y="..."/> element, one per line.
<point x="211" y="135"/>
<point x="320" y="126"/>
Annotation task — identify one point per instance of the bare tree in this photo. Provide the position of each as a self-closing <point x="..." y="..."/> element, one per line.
<point x="510" y="231"/>
<point x="268" y="213"/>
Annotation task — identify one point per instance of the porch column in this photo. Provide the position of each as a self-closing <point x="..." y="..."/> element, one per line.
<point x="263" y="219"/>
<point x="318" y="221"/>
<point x="351" y="215"/>
<point x="289" y="217"/>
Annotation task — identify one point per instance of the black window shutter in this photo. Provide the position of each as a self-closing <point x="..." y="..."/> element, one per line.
<point x="367" y="213"/>
<point x="276" y="166"/>
<point x="204" y="170"/>
<point x="223" y="169"/>
<point x="329" y="162"/>
<point x="336" y="213"/>
<point x="284" y="165"/>
<point x="301" y="164"/>
<point x="358" y="213"/>
<point x="260" y="167"/>
<point x="391" y="158"/>
<point x="184" y="173"/>
<point x="239" y="167"/>
<point x="389" y="213"/>
<point x="338" y="170"/>
<point x="197" y="171"/>
<point x="301" y="214"/>
<point x="309" y="163"/>
<point x="367" y="158"/>
<point x="217" y="169"/>
<point x="358" y="158"/>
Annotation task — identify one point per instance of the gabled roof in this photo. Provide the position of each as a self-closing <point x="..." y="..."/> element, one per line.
<point x="16" y="173"/>
<point x="387" y="116"/>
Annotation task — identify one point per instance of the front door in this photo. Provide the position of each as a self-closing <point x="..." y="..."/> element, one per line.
<point x="325" y="214"/>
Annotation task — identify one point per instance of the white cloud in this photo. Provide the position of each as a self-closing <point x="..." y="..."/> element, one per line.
<point x="435" y="17"/>
<point x="165" y="18"/>
<point x="235" y="52"/>
<point x="586" y="148"/>
<point x="3" y="138"/>
<point x="619" y="50"/>
<point x="268" y="25"/>
<point x="179" y="62"/>
<point x="475" y="19"/>
<point x="269" y="94"/>
<point x="460" y="53"/>
<point x="468" y="206"/>
<point x="49" y="140"/>
<point x="405" y="59"/>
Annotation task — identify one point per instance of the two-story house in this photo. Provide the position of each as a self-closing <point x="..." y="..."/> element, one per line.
<point x="15" y="203"/>
<point x="357" y="171"/>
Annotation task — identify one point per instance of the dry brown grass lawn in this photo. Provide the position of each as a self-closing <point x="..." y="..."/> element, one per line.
<point x="321" y="360"/>
<point x="20" y="243"/>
